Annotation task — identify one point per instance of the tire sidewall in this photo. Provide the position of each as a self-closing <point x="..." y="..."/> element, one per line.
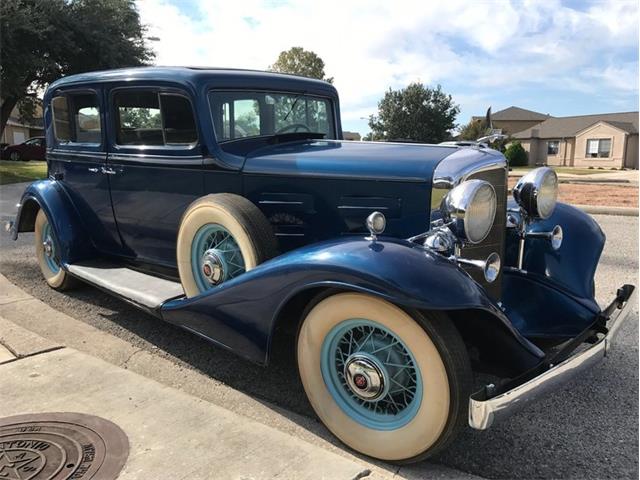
<point x="199" y="214"/>
<point x="427" y="426"/>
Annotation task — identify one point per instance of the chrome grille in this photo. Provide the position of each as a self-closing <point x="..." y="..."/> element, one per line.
<point x="496" y="239"/>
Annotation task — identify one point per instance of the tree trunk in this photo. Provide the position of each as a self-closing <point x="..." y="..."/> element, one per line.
<point x="7" y="107"/>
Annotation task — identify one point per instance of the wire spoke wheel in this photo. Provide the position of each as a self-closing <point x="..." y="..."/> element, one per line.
<point x="371" y="374"/>
<point x="215" y="256"/>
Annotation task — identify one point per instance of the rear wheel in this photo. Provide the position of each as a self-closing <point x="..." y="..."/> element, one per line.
<point x="388" y="384"/>
<point x="48" y="255"/>
<point x="221" y="237"/>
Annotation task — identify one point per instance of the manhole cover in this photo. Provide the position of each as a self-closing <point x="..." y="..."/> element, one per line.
<point x="57" y="446"/>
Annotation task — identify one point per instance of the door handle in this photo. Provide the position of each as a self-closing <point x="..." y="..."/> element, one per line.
<point x="93" y="170"/>
<point x="108" y="171"/>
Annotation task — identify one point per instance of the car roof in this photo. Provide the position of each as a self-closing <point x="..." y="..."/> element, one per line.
<point x="199" y="76"/>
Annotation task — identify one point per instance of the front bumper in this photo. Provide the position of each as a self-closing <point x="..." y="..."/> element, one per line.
<point x="485" y="409"/>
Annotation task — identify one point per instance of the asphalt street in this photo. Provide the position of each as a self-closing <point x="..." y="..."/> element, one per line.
<point x="589" y="429"/>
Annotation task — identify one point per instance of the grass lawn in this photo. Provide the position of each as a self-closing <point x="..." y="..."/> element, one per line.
<point x="569" y="170"/>
<point x="16" y="172"/>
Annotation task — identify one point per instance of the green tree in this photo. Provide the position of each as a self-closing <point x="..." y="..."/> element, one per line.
<point x="516" y="155"/>
<point x="299" y="61"/>
<point x="474" y="130"/>
<point x="42" y="40"/>
<point x="417" y="113"/>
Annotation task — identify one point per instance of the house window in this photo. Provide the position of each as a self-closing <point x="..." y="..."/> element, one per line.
<point x="598" y="148"/>
<point x="553" y="147"/>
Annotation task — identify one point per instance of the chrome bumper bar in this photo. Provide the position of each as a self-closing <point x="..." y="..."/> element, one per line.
<point x="483" y="413"/>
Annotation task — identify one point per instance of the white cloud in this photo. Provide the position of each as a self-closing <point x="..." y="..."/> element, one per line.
<point x="369" y="46"/>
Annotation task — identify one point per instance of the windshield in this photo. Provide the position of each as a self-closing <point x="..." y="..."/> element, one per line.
<point x="246" y="114"/>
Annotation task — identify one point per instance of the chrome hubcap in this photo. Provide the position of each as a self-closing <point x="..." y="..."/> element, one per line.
<point x="364" y="377"/>
<point x="214" y="268"/>
<point x="48" y="246"/>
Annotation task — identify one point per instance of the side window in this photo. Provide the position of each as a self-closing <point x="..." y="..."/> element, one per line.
<point x="240" y="118"/>
<point x="76" y="118"/>
<point x="150" y="118"/>
<point x="61" y="122"/>
<point x="179" y="125"/>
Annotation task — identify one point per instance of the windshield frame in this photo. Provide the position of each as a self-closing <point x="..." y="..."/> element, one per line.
<point x="293" y="93"/>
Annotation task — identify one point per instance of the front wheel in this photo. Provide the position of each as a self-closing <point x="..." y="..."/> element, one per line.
<point x="390" y="385"/>
<point x="15" y="156"/>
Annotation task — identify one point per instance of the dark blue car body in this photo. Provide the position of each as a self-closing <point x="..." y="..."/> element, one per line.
<point x="125" y="204"/>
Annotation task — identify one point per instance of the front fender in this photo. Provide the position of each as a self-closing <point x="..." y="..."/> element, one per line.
<point x="573" y="266"/>
<point x="242" y="313"/>
<point x="73" y="243"/>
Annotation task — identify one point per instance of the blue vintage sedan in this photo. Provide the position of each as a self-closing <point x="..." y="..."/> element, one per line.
<point x="226" y="202"/>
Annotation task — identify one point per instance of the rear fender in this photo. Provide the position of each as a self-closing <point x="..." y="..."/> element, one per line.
<point x="243" y="313"/>
<point x="73" y="243"/>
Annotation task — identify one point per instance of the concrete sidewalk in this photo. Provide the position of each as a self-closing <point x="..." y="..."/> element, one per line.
<point x="171" y="434"/>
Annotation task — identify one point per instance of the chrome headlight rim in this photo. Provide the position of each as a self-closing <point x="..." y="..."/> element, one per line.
<point x="456" y="206"/>
<point x="527" y="193"/>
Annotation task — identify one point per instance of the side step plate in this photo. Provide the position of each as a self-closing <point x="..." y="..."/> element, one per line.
<point x="139" y="288"/>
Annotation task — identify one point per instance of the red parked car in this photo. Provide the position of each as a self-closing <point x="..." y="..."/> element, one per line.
<point x="32" y="149"/>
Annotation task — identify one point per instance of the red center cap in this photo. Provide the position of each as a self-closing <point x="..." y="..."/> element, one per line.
<point x="207" y="270"/>
<point x="360" y="380"/>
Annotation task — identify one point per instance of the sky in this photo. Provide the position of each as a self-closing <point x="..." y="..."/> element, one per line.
<point x="551" y="56"/>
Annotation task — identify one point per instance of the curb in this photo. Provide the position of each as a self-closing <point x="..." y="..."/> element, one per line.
<point x="604" y="210"/>
<point x="613" y="181"/>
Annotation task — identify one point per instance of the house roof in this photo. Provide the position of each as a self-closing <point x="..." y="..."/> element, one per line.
<point x="517" y="113"/>
<point x="558" y="127"/>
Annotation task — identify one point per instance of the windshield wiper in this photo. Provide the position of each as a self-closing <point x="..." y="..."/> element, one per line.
<point x="295" y="102"/>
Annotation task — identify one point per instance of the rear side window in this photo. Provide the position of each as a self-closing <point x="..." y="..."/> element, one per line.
<point x="76" y="118"/>
<point x="153" y="118"/>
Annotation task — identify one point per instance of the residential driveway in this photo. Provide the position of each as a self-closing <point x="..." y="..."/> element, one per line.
<point x="9" y="196"/>
<point x="589" y="429"/>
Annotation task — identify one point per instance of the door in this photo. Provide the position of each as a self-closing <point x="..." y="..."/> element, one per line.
<point x="156" y="164"/>
<point x="77" y="158"/>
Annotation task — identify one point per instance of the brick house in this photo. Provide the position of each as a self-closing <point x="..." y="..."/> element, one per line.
<point x="17" y="131"/>
<point x="607" y="140"/>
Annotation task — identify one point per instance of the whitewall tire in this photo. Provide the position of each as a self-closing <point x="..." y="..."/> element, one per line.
<point x="390" y="385"/>
<point x="221" y="236"/>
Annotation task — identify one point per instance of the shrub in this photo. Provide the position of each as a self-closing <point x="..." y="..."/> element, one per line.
<point x="516" y="155"/>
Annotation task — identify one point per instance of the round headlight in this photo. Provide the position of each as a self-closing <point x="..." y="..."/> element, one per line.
<point x="472" y="208"/>
<point x="537" y="192"/>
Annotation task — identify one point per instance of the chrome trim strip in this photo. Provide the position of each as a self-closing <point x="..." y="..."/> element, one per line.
<point x="482" y="414"/>
<point x="290" y="234"/>
<point x="158" y="159"/>
<point x="361" y="207"/>
<point x="279" y="202"/>
<point x="78" y="153"/>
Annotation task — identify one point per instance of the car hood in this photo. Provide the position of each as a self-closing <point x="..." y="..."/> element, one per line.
<point x="347" y="159"/>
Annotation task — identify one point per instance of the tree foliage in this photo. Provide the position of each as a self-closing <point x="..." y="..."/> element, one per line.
<point x="516" y="155"/>
<point x="474" y="130"/>
<point x="416" y="113"/>
<point x="42" y="40"/>
<point x="299" y="61"/>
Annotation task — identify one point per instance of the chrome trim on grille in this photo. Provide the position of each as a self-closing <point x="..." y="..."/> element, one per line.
<point x="486" y="165"/>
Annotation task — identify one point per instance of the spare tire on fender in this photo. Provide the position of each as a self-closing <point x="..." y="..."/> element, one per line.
<point x="221" y="236"/>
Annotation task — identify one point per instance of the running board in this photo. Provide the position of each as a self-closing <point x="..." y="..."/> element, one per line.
<point x="139" y="288"/>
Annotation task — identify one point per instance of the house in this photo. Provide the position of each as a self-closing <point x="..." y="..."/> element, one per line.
<point x="350" y="135"/>
<point x="514" y="119"/>
<point x="607" y="140"/>
<point x="17" y="131"/>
